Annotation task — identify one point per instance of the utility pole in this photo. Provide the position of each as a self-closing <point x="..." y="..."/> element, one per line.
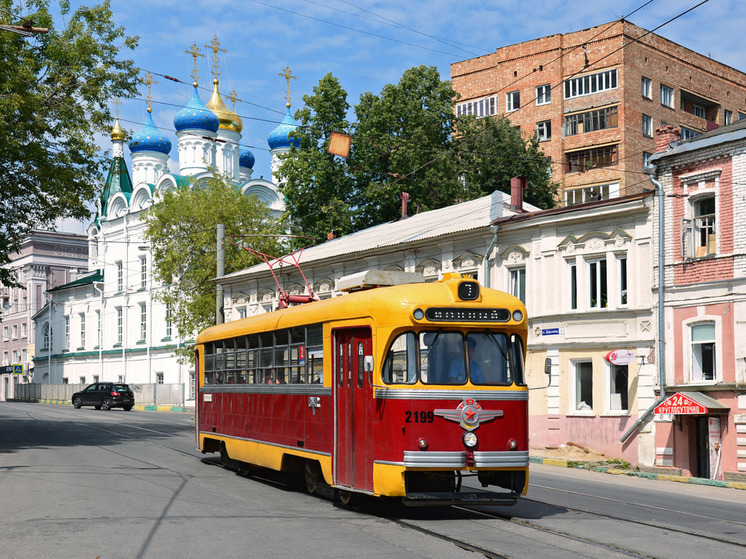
<point x="219" y="318"/>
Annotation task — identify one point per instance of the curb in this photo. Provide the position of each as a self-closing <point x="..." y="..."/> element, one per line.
<point x="138" y="407"/>
<point x="644" y="475"/>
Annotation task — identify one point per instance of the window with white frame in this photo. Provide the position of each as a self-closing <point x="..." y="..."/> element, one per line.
<point x="573" y="286"/>
<point x="704" y="234"/>
<point x="512" y="101"/>
<point x="543" y="94"/>
<point x="120" y="325"/>
<point x="698" y="111"/>
<point x="544" y="130"/>
<point x="6" y="333"/>
<point x="667" y="96"/>
<point x="82" y="329"/>
<point x="618" y="387"/>
<point x="727" y="117"/>
<point x="6" y="358"/>
<point x="647" y="126"/>
<point x="703" y="349"/>
<point x="590" y="193"/>
<point x="24" y="330"/>
<point x="46" y="336"/>
<point x="143" y="272"/>
<point x="67" y="332"/>
<point x="598" y="294"/>
<point x="478" y="107"/>
<point x="646" y="155"/>
<point x="647" y="88"/>
<point x="591" y="121"/>
<point x="689" y="133"/>
<point x="518" y="283"/>
<point x="622" y="260"/>
<point x="168" y="320"/>
<point x="242" y="311"/>
<point x="143" y="322"/>
<point x="14" y="331"/>
<point x="583" y="385"/>
<point x="120" y="276"/>
<point x="591" y="83"/>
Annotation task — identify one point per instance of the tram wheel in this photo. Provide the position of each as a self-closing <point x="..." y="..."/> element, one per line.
<point x="225" y="460"/>
<point x="312" y="476"/>
<point x="346" y="497"/>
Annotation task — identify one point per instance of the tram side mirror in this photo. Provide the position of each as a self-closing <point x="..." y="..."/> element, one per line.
<point x="368" y="367"/>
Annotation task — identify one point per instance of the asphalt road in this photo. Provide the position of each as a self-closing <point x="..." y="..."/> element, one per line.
<point x="93" y="484"/>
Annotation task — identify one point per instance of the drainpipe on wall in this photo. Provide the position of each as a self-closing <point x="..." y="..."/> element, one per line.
<point x="650" y="170"/>
<point x="486" y="261"/>
<point x="100" y="327"/>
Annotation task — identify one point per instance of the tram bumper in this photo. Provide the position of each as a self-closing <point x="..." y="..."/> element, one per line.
<point x="476" y="497"/>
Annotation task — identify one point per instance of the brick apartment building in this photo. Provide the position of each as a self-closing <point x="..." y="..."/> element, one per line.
<point x="595" y="97"/>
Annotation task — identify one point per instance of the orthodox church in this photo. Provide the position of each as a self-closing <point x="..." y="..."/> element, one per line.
<point x="108" y="325"/>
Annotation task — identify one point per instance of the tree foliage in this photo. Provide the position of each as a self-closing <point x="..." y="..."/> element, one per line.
<point x="54" y="91"/>
<point x="405" y="139"/>
<point x="182" y="228"/>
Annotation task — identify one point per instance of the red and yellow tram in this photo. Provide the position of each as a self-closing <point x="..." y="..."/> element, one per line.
<point x="399" y="391"/>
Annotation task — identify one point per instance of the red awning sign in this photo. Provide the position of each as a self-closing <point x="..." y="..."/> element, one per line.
<point x="621" y="357"/>
<point x="680" y="404"/>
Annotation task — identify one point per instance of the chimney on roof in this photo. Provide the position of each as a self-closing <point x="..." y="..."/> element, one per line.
<point x="404" y="201"/>
<point x="331" y="236"/>
<point x="665" y="135"/>
<point x="517" y="186"/>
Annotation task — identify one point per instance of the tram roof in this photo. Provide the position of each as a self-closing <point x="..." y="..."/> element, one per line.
<point x="467" y="216"/>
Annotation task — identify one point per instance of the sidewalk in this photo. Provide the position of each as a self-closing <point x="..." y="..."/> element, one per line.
<point x="599" y="463"/>
<point x="138" y="407"/>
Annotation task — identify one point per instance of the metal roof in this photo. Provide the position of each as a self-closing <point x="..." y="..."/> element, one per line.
<point x="731" y="133"/>
<point x="467" y="216"/>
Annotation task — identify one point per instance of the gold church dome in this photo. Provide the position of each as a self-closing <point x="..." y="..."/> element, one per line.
<point x="228" y="119"/>
<point x="118" y="133"/>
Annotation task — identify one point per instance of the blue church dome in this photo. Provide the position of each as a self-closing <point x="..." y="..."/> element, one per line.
<point x="280" y="136"/>
<point x="246" y="159"/>
<point x="149" y="138"/>
<point x="196" y="116"/>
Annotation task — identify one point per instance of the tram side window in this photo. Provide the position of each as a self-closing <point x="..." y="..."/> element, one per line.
<point x="315" y="360"/>
<point x="517" y="348"/>
<point x="400" y="366"/>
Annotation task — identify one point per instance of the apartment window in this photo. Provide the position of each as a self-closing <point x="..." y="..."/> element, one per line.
<point x="143" y="321"/>
<point x="241" y="312"/>
<point x="82" y="330"/>
<point x="741" y="115"/>
<point x="24" y="355"/>
<point x="587" y="159"/>
<point x="647" y="126"/>
<point x="667" y="96"/>
<point x="592" y="83"/>
<point x="159" y="378"/>
<point x="703" y="351"/>
<point x="168" y="320"/>
<point x="698" y="111"/>
<point x="689" y="133"/>
<point x="14" y="330"/>
<point x="622" y="280"/>
<point x="589" y="193"/>
<point x="590" y="121"/>
<point x="618" y="387"/>
<point x="728" y="117"/>
<point x="703" y="226"/>
<point x="544" y="130"/>
<point x="584" y="386"/>
<point x="646" y="155"/>
<point x="24" y="330"/>
<point x="544" y="94"/>
<point x="6" y="333"/>
<point x="46" y="335"/>
<point x="518" y="283"/>
<point x="82" y="380"/>
<point x="120" y="276"/>
<point x="120" y="325"/>
<point x="573" y="286"/>
<point x="512" y="101"/>
<point x="597" y="284"/>
<point x="143" y="272"/>
<point x="479" y="107"/>
<point x="67" y="333"/>
<point x="6" y="358"/>
<point x="647" y="88"/>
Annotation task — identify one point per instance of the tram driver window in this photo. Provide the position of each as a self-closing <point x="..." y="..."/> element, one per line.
<point x="400" y="365"/>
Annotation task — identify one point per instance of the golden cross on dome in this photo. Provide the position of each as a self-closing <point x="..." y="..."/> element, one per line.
<point x="117" y="105"/>
<point x="148" y="80"/>
<point x="288" y="76"/>
<point x="215" y="47"/>
<point x="194" y="51"/>
<point x="233" y="97"/>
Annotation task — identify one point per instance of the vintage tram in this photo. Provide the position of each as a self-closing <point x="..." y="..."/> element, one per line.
<point x="406" y="391"/>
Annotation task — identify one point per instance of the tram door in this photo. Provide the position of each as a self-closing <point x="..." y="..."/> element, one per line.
<point x="353" y="461"/>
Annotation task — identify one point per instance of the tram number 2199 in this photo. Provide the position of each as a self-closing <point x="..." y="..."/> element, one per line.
<point x="419" y="416"/>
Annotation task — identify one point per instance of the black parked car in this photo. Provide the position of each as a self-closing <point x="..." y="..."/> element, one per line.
<point x="105" y="395"/>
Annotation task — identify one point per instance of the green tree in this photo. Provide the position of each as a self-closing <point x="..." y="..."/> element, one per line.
<point x="54" y="91"/>
<point x="181" y="229"/>
<point x="316" y="185"/>
<point x="402" y="144"/>
<point x="490" y="151"/>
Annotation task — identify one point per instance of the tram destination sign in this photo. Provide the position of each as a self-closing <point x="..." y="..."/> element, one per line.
<point x="456" y="314"/>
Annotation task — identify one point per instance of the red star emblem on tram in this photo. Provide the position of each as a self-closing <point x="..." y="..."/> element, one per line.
<point x="469" y="414"/>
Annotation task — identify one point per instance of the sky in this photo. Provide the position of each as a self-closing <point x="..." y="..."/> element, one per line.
<point x="366" y="44"/>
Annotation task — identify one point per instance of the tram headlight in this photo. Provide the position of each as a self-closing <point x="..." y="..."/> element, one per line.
<point x="423" y="444"/>
<point x="418" y="314"/>
<point x="470" y="439"/>
<point x="512" y="445"/>
<point x="517" y="315"/>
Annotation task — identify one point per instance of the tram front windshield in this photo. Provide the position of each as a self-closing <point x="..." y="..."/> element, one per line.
<point x="454" y="357"/>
